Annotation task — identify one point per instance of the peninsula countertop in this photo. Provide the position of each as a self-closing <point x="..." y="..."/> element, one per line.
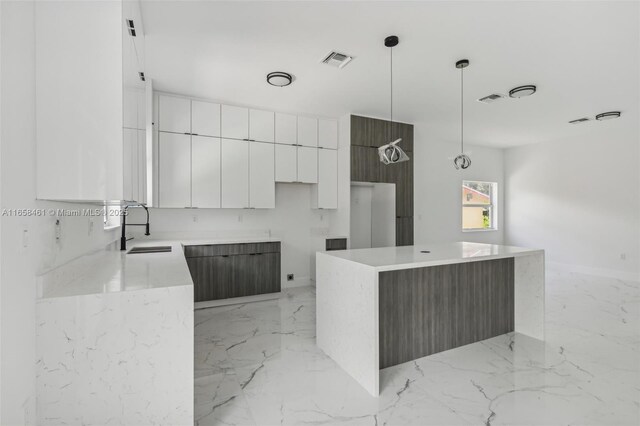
<point x="423" y="255"/>
<point x="112" y="271"/>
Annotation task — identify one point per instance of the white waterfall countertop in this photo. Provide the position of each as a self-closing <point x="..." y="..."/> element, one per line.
<point x="112" y="271"/>
<point x="406" y="257"/>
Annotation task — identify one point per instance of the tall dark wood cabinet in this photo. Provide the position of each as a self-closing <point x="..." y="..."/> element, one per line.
<point x="367" y="134"/>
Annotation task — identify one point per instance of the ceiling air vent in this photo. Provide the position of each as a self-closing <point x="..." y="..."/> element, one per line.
<point x="579" y="120"/>
<point x="131" y="27"/>
<point x="336" y="59"/>
<point x="491" y="98"/>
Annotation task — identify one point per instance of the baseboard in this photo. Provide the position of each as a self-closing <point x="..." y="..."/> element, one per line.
<point x="599" y="272"/>
<point x="236" y="300"/>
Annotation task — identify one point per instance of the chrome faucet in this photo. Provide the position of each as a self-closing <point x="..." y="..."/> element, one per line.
<point x="123" y="238"/>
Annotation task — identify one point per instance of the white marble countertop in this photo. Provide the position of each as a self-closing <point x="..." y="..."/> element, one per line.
<point x="406" y="257"/>
<point x="111" y="271"/>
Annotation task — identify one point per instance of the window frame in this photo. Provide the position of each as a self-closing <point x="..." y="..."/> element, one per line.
<point x="492" y="207"/>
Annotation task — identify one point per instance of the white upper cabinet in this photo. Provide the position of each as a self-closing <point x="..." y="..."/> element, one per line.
<point x="261" y="125"/>
<point x="286" y="163"/>
<point x="174" y="170"/>
<point x="328" y="133"/>
<point x="262" y="188"/>
<point x="307" y="164"/>
<point x="327" y="190"/>
<point x="205" y="118"/>
<point x="235" y="122"/>
<point x="286" y="129"/>
<point x="235" y="173"/>
<point x="308" y="131"/>
<point x="174" y="114"/>
<point x="79" y="100"/>
<point x="205" y="172"/>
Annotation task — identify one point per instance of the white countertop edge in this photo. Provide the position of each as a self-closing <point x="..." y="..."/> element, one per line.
<point x="424" y="264"/>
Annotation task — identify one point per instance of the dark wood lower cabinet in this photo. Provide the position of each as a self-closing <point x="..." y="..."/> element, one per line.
<point x="335" y="244"/>
<point x="234" y="275"/>
<point x="423" y="311"/>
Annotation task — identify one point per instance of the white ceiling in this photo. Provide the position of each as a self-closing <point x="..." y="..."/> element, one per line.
<point x="583" y="56"/>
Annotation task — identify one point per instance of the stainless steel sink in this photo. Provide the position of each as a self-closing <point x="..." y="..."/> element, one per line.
<point x="154" y="249"/>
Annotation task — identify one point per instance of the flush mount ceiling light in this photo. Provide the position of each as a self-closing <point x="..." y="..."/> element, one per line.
<point x="279" y="79"/>
<point x="391" y="153"/>
<point x="462" y="161"/>
<point x="522" y="91"/>
<point x="608" y="115"/>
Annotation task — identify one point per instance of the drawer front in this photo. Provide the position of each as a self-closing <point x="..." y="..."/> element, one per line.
<point x="231" y="249"/>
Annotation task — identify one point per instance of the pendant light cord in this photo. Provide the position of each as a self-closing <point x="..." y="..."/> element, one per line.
<point x="462" y="110"/>
<point x="391" y="125"/>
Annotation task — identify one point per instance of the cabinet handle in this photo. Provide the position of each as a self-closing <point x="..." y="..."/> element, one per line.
<point x="194" y="134"/>
<point x="225" y="255"/>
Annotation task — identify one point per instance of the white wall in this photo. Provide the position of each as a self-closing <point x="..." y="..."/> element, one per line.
<point x="20" y="265"/>
<point x="438" y="186"/>
<point x="579" y="199"/>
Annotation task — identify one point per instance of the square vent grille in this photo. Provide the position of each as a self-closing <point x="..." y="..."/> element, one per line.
<point x="491" y="98"/>
<point x="337" y="59"/>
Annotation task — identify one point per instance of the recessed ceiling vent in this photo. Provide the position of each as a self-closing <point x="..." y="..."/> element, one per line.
<point x="132" y="28"/>
<point x="491" y="98"/>
<point x="337" y="59"/>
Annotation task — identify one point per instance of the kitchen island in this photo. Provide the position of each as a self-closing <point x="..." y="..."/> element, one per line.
<point x="385" y="306"/>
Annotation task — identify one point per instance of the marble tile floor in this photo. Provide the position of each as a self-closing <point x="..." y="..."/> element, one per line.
<point x="257" y="364"/>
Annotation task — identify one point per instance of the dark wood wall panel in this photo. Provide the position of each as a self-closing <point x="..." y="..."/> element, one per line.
<point x="404" y="231"/>
<point x="428" y="310"/>
<point x="367" y="134"/>
<point x="365" y="164"/>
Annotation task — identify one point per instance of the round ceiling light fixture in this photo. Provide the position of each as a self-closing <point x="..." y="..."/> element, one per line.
<point x="608" y="115"/>
<point x="522" y="91"/>
<point x="279" y="79"/>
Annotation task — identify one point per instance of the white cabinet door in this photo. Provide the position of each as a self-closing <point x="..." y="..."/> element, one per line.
<point x="327" y="179"/>
<point x="261" y="125"/>
<point x="262" y="183"/>
<point x="286" y="129"/>
<point x="142" y="110"/>
<point x="235" y="173"/>
<point x="174" y="164"/>
<point x="286" y="163"/>
<point x="205" y="172"/>
<point x="174" y="114"/>
<point x="140" y="168"/>
<point x="235" y="122"/>
<point x="205" y="118"/>
<point x="308" y="131"/>
<point x="130" y="142"/>
<point x="328" y="133"/>
<point x="307" y="164"/>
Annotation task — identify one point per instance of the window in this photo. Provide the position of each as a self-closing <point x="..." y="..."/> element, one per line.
<point x="111" y="216"/>
<point x="479" y="206"/>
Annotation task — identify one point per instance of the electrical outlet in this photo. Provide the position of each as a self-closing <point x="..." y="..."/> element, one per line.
<point x="58" y="230"/>
<point x="623" y="256"/>
<point x="289" y="277"/>
<point x="240" y="218"/>
<point x="90" y="230"/>
<point x="195" y="218"/>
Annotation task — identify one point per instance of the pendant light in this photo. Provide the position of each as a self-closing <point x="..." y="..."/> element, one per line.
<point x="391" y="153"/>
<point x="462" y="161"/>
